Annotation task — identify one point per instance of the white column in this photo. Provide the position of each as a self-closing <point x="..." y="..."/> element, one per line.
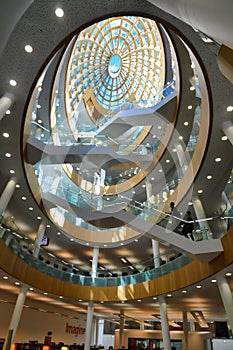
<point x="156" y="254"/>
<point x="227" y="128"/>
<point x="89" y="325"/>
<point x="100" y="334"/>
<point x="149" y="192"/>
<point x="93" y="331"/>
<point x="185" y="330"/>
<point x="121" y="330"/>
<point x="39" y="237"/>
<point x="200" y="214"/>
<point x="15" y="318"/>
<point x="226" y="296"/>
<point x="181" y="157"/>
<point x="210" y="16"/>
<point x="7" y="194"/>
<point x="6" y="102"/>
<point x="94" y="262"/>
<point x="164" y="323"/>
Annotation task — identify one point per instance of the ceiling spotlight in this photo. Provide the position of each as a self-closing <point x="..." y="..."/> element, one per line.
<point x="28" y="48"/>
<point x="224" y="138"/>
<point x="186" y="123"/>
<point x="209" y="177"/>
<point x="6" y="135"/>
<point x="59" y="12"/>
<point x="12" y="82"/>
<point x="200" y="191"/>
<point x="12" y="171"/>
<point x="8" y="112"/>
<point x="229" y="108"/>
<point x="190" y="107"/>
<point x="198" y="287"/>
<point x="192" y="88"/>
<point x="213" y="281"/>
<point x="218" y="159"/>
<point x="8" y="155"/>
<point x="228" y="274"/>
<point x="184" y="291"/>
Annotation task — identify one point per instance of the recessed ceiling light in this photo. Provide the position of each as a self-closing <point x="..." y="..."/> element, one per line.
<point x="169" y="295"/>
<point x="139" y="300"/>
<point x="154" y="136"/>
<point x="213" y="281"/>
<point x="167" y="160"/>
<point x="24" y="198"/>
<point x="160" y="170"/>
<point x="200" y="191"/>
<point x="192" y="88"/>
<point x="80" y="300"/>
<point x="229" y="108"/>
<point x="105" y="245"/>
<point x="102" y="301"/>
<point x="38" y="217"/>
<point x="218" y="159"/>
<point x="39" y="88"/>
<point x="60" y="296"/>
<point x="159" y="127"/>
<point x="190" y="107"/>
<point x="173" y="150"/>
<point x="198" y="286"/>
<point x="12" y="82"/>
<point x="154" y="298"/>
<point x="143" y="185"/>
<point x="59" y="12"/>
<point x="190" y="203"/>
<point x="8" y="112"/>
<point x="228" y="274"/>
<point x="38" y="106"/>
<point x="39" y="121"/>
<point x="133" y="192"/>
<point x="17" y="185"/>
<point x="48" y="226"/>
<point x="6" y="135"/>
<point x="45" y="293"/>
<point x="184" y="291"/>
<point x="31" y="289"/>
<point x="136" y="240"/>
<point x="17" y="283"/>
<point x="180" y="137"/>
<point x="71" y="239"/>
<point x="28" y="48"/>
<point x="152" y="178"/>
<point x="30" y="208"/>
<point x="8" y="155"/>
<point x="186" y="123"/>
<point x="12" y="171"/>
<point x="87" y="243"/>
<point x="209" y="177"/>
<point x="58" y="233"/>
<point x="224" y="138"/>
<point x="5" y="277"/>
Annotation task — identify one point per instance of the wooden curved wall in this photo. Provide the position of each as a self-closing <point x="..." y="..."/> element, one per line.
<point x="189" y="274"/>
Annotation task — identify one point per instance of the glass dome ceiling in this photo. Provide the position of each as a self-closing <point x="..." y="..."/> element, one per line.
<point x="120" y="59"/>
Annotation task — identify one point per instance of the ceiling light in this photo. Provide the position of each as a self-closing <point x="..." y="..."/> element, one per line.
<point x="48" y="226"/>
<point x="224" y="138"/>
<point x="38" y="217"/>
<point x="229" y="108"/>
<point x="190" y="203"/>
<point x="102" y="301"/>
<point x="24" y="198"/>
<point x="59" y="12"/>
<point x="8" y="112"/>
<point x="6" y="135"/>
<point x="38" y="106"/>
<point x="12" y="171"/>
<point x="136" y="240"/>
<point x="167" y="160"/>
<point x="30" y="208"/>
<point x="190" y="107"/>
<point x="174" y="150"/>
<point x="31" y="289"/>
<point x="198" y="287"/>
<point x="124" y="260"/>
<point x="180" y="137"/>
<point x="60" y="296"/>
<point x="39" y="88"/>
<point x="192" y="88"/>
<point x="122" y="243"/>
<point x="192" y="65"/>
<point x="80" y="300"/>
<point x="45" y="293"/>
<point x="28" y="48"/>
<point x="133" y="192"/>
<point x="39" y="121"/>
<point x="218" y="159"/>
<point x="8" y="155"/>
<point x="17" y="283"/>
<point x="58" y="233"/>
<point x="152" y="178"/>
<point x="200" y="191"/>
<point x="71" y="239"/>
<point x="17" y="185"/>
<point x="209" y="177"/>
<point x="213" y="281"/>
<point x="160" y="170"/>
<point x="139" y="300"/>
<point x="184" y="291"/>
<point x="228" y="274"/>
<point x="186" y="123"/>
<point x="105" y="245"/>
<point x="154" y="298"/>
<point x="5" y="277"/>
<point x="12" y="82"/>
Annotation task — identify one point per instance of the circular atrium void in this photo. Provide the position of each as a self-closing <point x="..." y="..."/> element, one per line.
<point x="101" y="159"/>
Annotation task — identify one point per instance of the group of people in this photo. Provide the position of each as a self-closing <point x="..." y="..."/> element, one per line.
<point x="184" y="227"/>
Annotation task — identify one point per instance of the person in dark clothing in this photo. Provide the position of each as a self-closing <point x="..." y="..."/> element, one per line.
<point x="175" y="220"/>
<point x="188" y="225"/>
